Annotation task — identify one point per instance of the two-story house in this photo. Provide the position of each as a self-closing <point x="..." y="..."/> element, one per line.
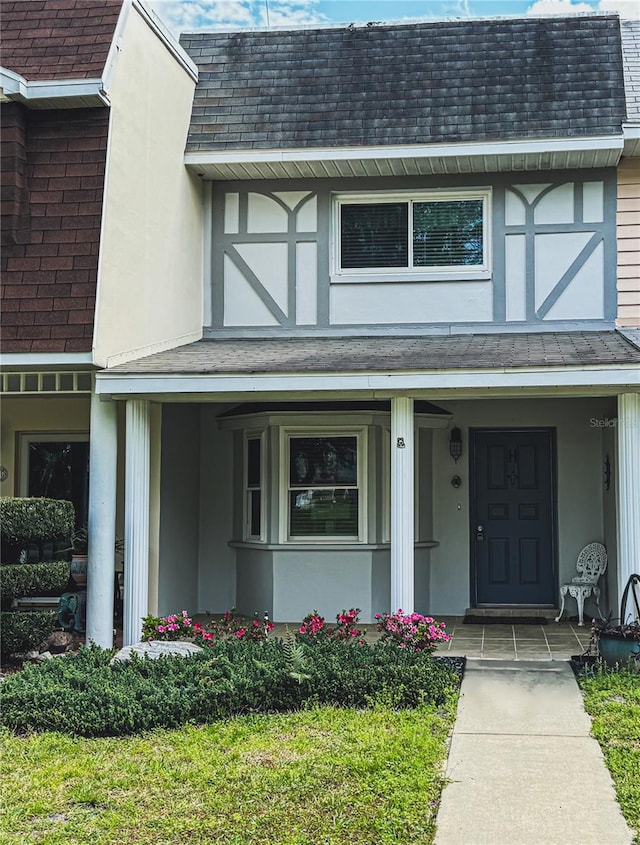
<point x="375" y="340"/>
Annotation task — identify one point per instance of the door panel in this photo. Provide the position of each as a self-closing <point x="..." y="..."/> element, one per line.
<point x="512" y="511"/>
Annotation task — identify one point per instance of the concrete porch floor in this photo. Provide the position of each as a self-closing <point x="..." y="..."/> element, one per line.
<point x="553" y="641"/>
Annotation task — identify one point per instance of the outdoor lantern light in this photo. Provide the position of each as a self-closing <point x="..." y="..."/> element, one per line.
<point x="455" y="443"/>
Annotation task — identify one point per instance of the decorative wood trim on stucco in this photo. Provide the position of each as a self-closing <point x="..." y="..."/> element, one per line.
<point x="628" y="229"/>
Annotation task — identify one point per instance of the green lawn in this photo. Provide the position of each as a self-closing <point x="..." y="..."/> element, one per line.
<point x="318" y="776"/>
<point x="613" y="701"/>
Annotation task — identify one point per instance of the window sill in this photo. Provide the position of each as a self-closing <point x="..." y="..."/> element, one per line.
<point x="375" y="278"/>
<point x="325" y="547"/>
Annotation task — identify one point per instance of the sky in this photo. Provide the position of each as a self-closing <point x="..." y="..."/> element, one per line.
<point x="192" y="15"/>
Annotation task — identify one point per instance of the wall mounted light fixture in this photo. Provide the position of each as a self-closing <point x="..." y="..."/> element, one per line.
<point x="455" y="443"/>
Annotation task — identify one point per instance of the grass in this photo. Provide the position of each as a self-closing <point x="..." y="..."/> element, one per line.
<point x="322" y="775"/>
<point x="613" y="701"/>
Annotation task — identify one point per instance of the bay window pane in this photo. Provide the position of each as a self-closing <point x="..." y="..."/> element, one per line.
<point x="374" y="235"/>
<point x="323" y="461"/>
<point x="253" y="462"/>
<point x="254" y="513"/>
<point x="323" y="513"/>
<point x="447" y="233"/>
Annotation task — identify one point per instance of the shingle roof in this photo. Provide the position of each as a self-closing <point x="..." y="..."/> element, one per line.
<point x="433" y="82"/>
<point x="375" y="354"/>
<point x="631" y="55"/>
<point x="57" y="39"/>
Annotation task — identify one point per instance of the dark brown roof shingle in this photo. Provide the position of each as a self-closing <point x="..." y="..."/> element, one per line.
<point x="57" y="39"/>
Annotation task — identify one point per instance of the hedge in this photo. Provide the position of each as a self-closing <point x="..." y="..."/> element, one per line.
<point x="34" y="521"/>
<point x="33" y="579"/>
<point x="84" y="695"/>
<point x="24" y="630"/>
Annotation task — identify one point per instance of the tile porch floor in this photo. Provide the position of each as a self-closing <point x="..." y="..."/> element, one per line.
<point x="553" y="641"/>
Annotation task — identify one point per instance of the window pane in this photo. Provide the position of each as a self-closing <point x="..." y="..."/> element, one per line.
<point x="323" y="513"/>
<point x="254" y="513"/>
<point x="447" y="233"/>
<point x="61" y="471"/>
<point x="253" y="462"/>
<point x="374" y="235"/>
<point x="323" y="461"/>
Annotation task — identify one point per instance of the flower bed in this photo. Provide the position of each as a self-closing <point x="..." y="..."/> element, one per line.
<point x="239" y="670"/>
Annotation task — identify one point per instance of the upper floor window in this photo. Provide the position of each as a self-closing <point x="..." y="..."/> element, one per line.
<point x="418" y="236"/>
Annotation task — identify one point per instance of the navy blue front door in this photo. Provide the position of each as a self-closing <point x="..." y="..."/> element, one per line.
<point x="512" y="517"/>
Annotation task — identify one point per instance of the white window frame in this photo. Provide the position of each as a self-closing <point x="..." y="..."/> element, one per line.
<point x="411" y="274"/>
<point x="360" y="433"/>
<point x="247" y="536"/>
<point x="26" y="438"/>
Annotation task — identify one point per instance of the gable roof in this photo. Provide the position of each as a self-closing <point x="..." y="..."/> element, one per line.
<point x="57" y="39"/>
<point x="425" y="83"/>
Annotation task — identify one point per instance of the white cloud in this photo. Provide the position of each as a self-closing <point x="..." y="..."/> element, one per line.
<point x="625" y="8"/>
<point x="557" y="7"/>
<point x="192" y="15"/>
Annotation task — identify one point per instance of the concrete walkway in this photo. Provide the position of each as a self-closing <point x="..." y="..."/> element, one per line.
<point x="522" y="767"/>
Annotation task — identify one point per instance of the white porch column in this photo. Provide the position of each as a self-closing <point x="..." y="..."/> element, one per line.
<point x="103" y="454"/>
<point x="136" y="520"/>
<point x="402" y="516"/>
<point x="628" y="474"/>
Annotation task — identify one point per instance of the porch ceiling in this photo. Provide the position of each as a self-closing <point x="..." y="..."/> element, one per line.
<point x="517" y="360"/>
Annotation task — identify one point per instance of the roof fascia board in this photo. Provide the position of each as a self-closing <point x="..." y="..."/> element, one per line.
<point x="612" y="143"/>
<point x="45" y="359"/>
<point x="156" y="25"/>
<point x="17" y="87"/>
<point x="604" y="376"/>
<point x="631" y="133"/>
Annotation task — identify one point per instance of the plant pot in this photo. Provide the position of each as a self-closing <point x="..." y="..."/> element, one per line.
<point x="78" y="569"/>
<point x="619" y="651"/>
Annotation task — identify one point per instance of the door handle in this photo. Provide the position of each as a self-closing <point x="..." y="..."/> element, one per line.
<point x="480" y="534"/>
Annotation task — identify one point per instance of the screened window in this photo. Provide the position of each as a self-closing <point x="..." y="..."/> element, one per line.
<point x="324" y="487"/>
<point x="421" y="236"/>
<point x="253" y="488"/>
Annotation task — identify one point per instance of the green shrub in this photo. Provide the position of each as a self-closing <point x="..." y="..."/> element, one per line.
<point x="23" y="630"/>
<point x="33" y="521"/>
<point x="33" y="579"/>
<point x="84" y="695"/>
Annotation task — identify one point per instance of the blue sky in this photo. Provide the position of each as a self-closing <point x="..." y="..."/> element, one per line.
<point x="191" y="15"/>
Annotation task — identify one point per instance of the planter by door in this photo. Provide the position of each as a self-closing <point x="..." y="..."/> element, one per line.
<point x="619" y="651"/>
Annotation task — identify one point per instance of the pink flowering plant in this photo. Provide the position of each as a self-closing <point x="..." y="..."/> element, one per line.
<point x="180" y="626"/>
<point x="315" y="628"/>
<point x="411" y="631"/>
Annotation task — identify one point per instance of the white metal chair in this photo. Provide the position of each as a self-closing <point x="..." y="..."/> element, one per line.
<point x="591" y="565"/>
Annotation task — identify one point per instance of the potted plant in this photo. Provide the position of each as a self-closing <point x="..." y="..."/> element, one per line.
<point x="79" y="556"/>
<point x="618" y="640"/>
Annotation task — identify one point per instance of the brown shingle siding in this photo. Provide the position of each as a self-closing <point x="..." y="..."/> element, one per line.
<point x="50" y="268"/>
<point x="58" y="39"/>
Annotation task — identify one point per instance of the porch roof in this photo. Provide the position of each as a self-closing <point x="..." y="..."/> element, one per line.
<point x="248" y="356"/>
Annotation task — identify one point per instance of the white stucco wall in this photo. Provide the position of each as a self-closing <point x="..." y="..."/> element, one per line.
<point x="580" y="486"/>
<point x="149" y="293"/>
